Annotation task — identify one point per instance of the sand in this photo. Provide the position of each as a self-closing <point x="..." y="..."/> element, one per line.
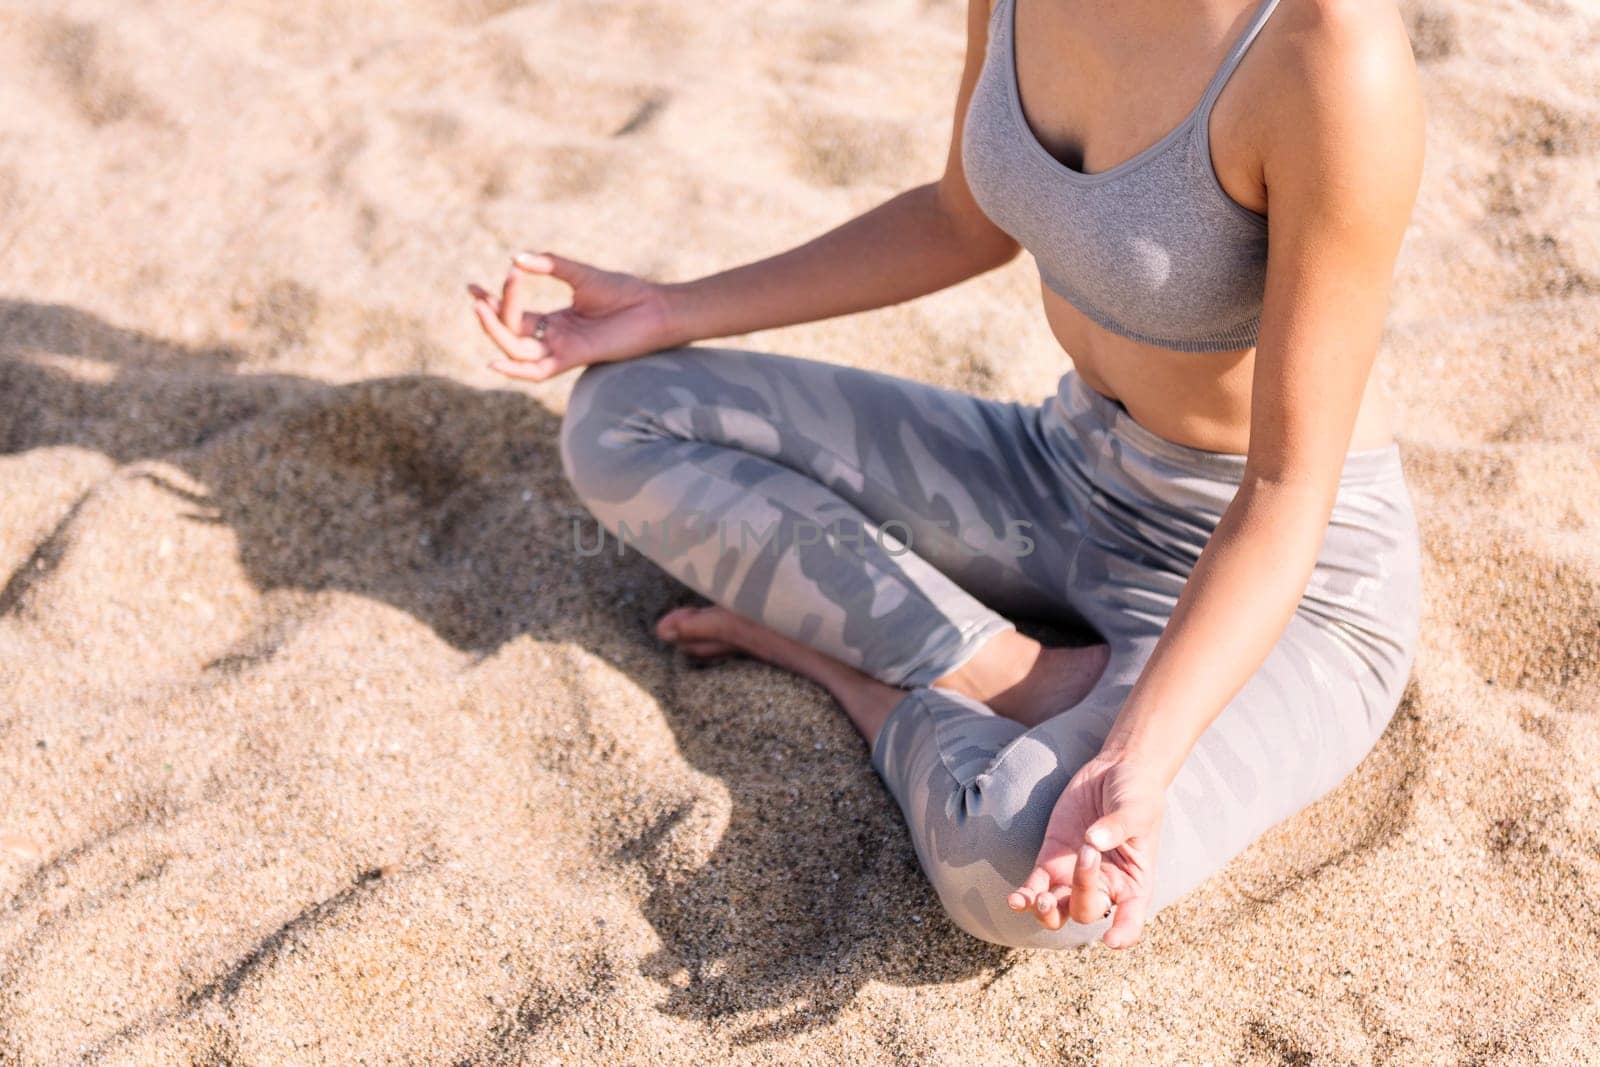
<point x="319" y="743"/>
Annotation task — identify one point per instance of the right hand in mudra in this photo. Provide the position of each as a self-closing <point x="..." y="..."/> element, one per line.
<point x="613" y="316"/>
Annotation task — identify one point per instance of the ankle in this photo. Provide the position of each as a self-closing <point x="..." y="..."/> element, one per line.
<point x="1002" y="664"/>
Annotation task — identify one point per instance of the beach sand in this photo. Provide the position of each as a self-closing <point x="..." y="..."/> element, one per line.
<point x="319" y="743"/>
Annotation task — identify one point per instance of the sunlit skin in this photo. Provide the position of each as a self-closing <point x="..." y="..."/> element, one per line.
<point x="1320" y="128"/>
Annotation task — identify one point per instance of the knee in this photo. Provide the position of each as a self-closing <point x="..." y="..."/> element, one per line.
<point x="972" y="879"/>
<point x="977" y="792"/>
<point x="619" y="411"/>
<point x="605" y="401"/>
<point x="987" y="846"/>
<point x="975" y="897"/>
<point x="616" y="406"/>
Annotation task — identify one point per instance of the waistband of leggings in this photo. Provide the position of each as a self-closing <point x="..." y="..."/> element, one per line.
<point x="1366" y="466"/>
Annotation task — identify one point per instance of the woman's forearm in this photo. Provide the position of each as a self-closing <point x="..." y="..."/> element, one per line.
<point x="907" y="247"/>
<point x="1234" y="607"/>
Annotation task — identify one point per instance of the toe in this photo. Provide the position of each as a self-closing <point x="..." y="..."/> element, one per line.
<point x="667" y="625"/>
<point x="702" y="633"/>
<point x="700" y="624"/>
<point x="686" y="624"/>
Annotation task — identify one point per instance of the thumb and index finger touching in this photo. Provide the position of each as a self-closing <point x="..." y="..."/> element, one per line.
<point x="529" y="357"/>
<point x="524" y="267"/>
<point x="1059" y="860"/>
<point x="513" y="301"/>
<point x="1072" y="884"/>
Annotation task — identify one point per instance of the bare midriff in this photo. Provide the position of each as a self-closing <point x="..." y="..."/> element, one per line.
<point x="1201" y="400"/>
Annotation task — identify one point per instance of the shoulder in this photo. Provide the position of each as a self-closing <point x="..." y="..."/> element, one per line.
<point x="1349" y="103"/>
<point x="1342" y="63"/>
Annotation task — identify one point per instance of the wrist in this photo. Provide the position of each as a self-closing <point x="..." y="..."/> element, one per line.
<point x="680" y="314"/>
<point x="1161" y="752"/>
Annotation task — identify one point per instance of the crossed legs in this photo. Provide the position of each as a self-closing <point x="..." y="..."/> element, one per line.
<point x="896" y="529"/>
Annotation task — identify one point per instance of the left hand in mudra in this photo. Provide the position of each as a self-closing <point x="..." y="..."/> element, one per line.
<point x="1099" y="850"/>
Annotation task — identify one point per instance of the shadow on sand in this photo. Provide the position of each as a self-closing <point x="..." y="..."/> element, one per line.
<point x="364" y="487"/>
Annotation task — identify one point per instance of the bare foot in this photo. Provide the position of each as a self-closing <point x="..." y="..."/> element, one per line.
<point x="709" y="633"/>
<point x="1025" y="681"/>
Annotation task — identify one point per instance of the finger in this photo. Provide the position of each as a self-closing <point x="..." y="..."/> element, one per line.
<point x="1108" y="831"/>
<point x="523" y="348"/>
<point x="513" y="298"/>
<point x="1045" y="902"/>
<point x="1128" y="926"/>
<point x="568" y="270"/>
<point x="1024" y="895"/>
<point x="1050" y="908"/>
<point x="1088" y="898"/>
<point x="1084" y="875"/>
<point x="480" y="293"/>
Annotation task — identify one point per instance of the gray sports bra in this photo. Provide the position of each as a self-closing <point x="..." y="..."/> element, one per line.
<point x="1154" y="248"/>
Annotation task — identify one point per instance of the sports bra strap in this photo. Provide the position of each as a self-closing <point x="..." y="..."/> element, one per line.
<point x="1235" y="54"/>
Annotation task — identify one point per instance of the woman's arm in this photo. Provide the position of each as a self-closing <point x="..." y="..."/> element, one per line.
<point x="925" y="239"/>
<point x="922" y="240"/>
<point x="1341" y="172"/>
<point x="1342" y="177"/>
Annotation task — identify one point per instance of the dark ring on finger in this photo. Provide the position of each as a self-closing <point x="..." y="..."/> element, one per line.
<point x="540" y="327"/>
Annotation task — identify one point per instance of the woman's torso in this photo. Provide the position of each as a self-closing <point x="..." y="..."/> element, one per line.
<point x="1140" y="125"/>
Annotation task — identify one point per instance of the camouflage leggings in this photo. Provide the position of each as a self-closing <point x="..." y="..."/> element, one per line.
<point x="895" y="526"/>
